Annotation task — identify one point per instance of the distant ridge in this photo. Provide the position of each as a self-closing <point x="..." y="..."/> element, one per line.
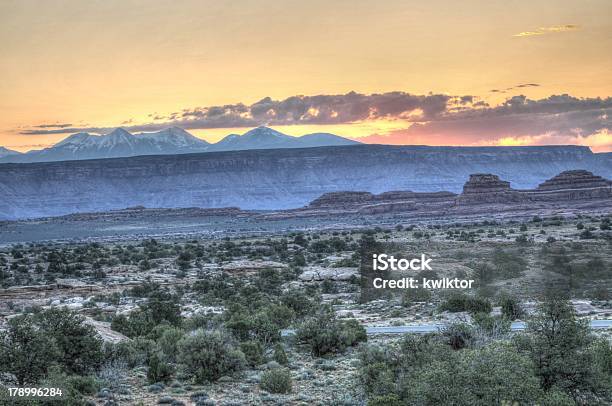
<point x="120" y="143"/>
<point x="276" y="179"/>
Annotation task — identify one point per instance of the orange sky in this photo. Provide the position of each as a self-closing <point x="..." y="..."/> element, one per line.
<point x="120" y="62"/>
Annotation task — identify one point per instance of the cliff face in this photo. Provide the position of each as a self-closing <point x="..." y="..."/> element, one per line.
<point x="273" y="179"/>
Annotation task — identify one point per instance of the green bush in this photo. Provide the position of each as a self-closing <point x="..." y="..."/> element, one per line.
<point x="26" y="351"/>
<point x="511" y="307"/>
<point x="134" y="353"/>
<point x="280" y="355"/>
<point x="208" y="355"/>
<point x="85" y="385"/>
<point x="458" y="335"/>
<point x="460" y="302"/>
<point x="325" y="334"/>
<point x="161" y="307"/>
<point x="558" y="343"/>
<point x="385" y="400"/>
<point x="168" y="342"/>
<point x="34" y="343"/>
<point x="253" y="352"/>
<point x="415" y="295"/>
<point x="158" y="369"/>
<point x="377" y="378"/>
<point x="263" y="326"/>
<point x="276" y="380"/>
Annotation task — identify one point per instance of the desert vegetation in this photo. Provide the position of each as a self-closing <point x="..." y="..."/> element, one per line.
<point x="280" y="318"/>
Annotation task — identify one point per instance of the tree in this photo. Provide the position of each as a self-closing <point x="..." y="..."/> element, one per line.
<point x="208" y="355"/>
<point x="34" y="343"/>
<point x="79" y="345"/>
<point x="558" y="345"/>
<point x="276" y="380"/>
<point x="26" y="351"/>
<point x="158" y="369"/>
<point x="511" y="307"/>
<point x="325" y="334"/>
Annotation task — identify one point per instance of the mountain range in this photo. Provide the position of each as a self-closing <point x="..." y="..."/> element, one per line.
<point x="170" y="141"/>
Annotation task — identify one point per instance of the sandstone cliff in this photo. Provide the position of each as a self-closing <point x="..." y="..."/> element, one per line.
<point x="274" y="179"/>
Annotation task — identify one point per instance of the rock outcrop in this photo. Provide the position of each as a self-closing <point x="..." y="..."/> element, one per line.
<point x="481" y="189"/>
<point x="572" y="185"/>
<point x="487" y="188"/>
<point x="576" y="179"/>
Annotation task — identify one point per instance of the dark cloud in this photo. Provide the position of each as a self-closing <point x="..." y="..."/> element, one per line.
<point x="519" y="86"/>
<point x="319" y="109"/>
<point x="465" y="119"/>
<point x="555" y="119"/>
<point x="66" y="125"/>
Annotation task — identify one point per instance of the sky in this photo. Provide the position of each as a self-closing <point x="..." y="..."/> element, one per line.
<point x="396" y="72"/>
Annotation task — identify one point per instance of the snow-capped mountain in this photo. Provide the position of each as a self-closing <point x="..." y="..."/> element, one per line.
<point x="4" y="152"/>
<point x="267" y="138"/>
<point x="121" y="143"/>
<point x="117" y="143"/>
<point x="174" y="138"/>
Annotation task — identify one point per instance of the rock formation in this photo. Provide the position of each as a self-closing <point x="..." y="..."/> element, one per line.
<point x="488" y="188"/>
<point x="482" y="190"/>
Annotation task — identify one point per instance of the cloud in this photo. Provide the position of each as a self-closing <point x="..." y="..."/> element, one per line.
<point x="299" y="109"/>
<point x="519" y="86"/>
<point x="66" y="125"/>
<point x="434" y="119"/>
<point x="548" y="30"/>
<point x="558" y="119"/>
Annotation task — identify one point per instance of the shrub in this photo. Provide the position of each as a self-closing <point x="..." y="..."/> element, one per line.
<point x="325" y="334"/>
<point x="260" y="326"/>
<point x="458" y="335"/>
<point x="33" y="343"/>
<point x="276" y="380"/>
<point x="415" y="295"/>
<point x="79" y="344"/>
<point x="133" y="353"/>
<point x="280" y="355"/>
<point x="85" y="385"/>
<point x="168" y="342"/>
<point x="377" y="378"/>
<point x="253" y="352"/>
<point x="299" y="302"/>
<point x="460" y="302"/>
<point x="385" y="400"/>
<point x="158" y="369"/>
<point x="26" y="351"/>
<point x="208" y="355"/>
<point x="511" y="307"/>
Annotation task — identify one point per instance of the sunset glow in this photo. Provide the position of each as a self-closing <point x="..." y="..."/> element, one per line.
<point x="205" y="66"/>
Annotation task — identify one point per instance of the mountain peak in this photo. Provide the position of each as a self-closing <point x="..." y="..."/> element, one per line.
<point x="77" y="138"/>
<point x="7" y="152"/>
<point x="263" y="131"/>
<point x="119" y="131"/>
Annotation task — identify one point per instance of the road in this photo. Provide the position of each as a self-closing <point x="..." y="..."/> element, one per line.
<point x="432" y="328"/>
